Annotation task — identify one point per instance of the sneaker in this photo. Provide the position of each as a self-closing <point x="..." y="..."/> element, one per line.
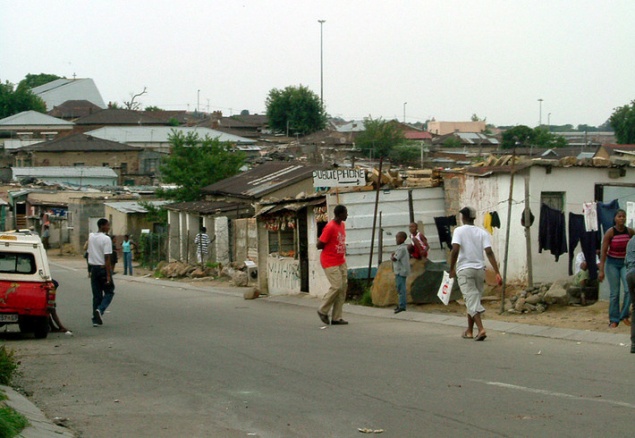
<point x="97" y="317"/>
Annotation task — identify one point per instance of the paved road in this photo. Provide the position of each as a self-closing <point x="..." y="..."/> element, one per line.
<point x="174" y="361"/>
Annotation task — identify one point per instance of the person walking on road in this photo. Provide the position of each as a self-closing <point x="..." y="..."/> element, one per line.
<point x="202" y="243"/>
<point x="630" y="280"/>
<point x="332" y="242"/>
<point x="99" y="253"/>
<point x="467" y="264"/>
<point x="401" y="266"/>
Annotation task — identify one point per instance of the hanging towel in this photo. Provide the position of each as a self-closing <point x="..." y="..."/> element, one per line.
<point x="630" y="214"/>
<point x="606" y="214"/>
<point x="588" y="241"/>
<point x="496" y="221"/>
<point x="590" y="212"/>
<point x="552" y="232"/>
<point x="443" y="224"/>
<point x="487" y="223"/>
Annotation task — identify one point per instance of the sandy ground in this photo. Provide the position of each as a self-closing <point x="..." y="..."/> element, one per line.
<point x="593" y="317"/>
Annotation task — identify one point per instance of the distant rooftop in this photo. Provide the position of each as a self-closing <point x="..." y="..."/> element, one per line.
<point x="160" y="134"/>
<point x="60" y="90"/>
<point x="33" y="118"/>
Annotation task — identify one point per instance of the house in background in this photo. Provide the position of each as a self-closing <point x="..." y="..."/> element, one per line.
<point x="59" y="91"/>
<point x="82" y="176"/>
<point x="84" y="150"/>
<point x="443" y="128"/>
<point x="30" y="127"/>
<point x="608" y="151"/>
<point x="130" y="217"/>
<point x="73" y="109"/>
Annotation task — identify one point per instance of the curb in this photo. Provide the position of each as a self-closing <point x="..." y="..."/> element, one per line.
<point x="40" y="426"/>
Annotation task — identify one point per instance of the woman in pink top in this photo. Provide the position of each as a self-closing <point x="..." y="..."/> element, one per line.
<point x="612" y="263"/>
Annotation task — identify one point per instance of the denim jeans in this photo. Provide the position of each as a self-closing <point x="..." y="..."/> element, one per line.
<point x="127" y="263"/>
<point x="630" y="279"/>
<point x="401" y="290"/>
<point x="615" y="272"/>
<point x="103" y="292"/>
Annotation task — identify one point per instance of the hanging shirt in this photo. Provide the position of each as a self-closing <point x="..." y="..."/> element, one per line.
<point x="606" y="214"/>
<point x="443" y="224"/>
<point x="590" y="213"/>
<point x="551" y="231"/>
<point x="487" y="223"/>
<point x="496" y="221"/>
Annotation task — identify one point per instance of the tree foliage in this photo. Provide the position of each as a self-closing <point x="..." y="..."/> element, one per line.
<point x="525" y="136"/>
<point x="194" y="163"/>
<point x="379" y="137"/>
<point x="297" y="109"/>
<point x="15" y="100"/>
<point x="405" y="154"/>
<point x="32" y="80"/>
<point x="452" y="142"/>
<point x="153" y="108"/>
<point x="623" y="123"/>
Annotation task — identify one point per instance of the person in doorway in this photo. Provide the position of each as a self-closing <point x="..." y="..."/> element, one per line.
<point x="202" y="244"/>
<point x="630" y="280"/>
<point x="332" y="242"/>
<point x="467" y="265"/>
<point x="46" y="235"/>
<point x="418" y="249"/>
<point x="401" y="267"/>
<point x="612" y="266"/>
<point x="126" y="247"/>
<point x="99" y="259"/>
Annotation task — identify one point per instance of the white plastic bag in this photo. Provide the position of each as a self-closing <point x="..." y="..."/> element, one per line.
<point x="445" y="290"/>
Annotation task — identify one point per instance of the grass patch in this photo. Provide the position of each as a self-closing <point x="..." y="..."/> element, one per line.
<point x="8" y="365"/>
<point x="11" y="422"/>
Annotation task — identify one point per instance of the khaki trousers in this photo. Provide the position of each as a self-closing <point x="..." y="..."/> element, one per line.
<point x="336" y="295"/>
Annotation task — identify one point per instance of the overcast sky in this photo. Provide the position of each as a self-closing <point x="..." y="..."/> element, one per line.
<point x="447" y="59"/>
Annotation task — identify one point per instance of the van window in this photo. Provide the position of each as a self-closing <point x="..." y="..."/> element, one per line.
<point x="17" y="263"/>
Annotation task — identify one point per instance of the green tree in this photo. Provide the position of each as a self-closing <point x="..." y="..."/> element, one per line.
<point x="405" y="154"/>
<point x="14" y="101"/>
<point x="295" y="109"/>
<point x="379" y="137"/>
<point x="32" y="81"/>
<point x="153" y="108"/>
<point x="525" y="136"/>
<point x="623" y="123"/>
<point x="452" y="142"/>
<point x="194" y="163"/>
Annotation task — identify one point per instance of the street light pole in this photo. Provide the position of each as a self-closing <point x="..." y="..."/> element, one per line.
<point x="321" y="63"/>
<point x="549" y="122"/>
<point x="198" y="100"/>
<point x="540" y="112"/>
<point x="404" y="111"/>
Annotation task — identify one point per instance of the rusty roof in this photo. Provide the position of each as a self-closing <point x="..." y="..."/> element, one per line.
<point x="261" y="180"/>
<point x="207" y="207"/>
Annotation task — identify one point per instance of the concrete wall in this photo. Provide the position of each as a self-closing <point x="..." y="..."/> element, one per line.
<point x="442" y="128"/>
<point x="114" y="159"/>
<point x="81" y="210"/>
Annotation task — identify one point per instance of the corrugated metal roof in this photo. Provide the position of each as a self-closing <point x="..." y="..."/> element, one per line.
<point x="80" y="143"/>
<point x="134" y="206"/>
<point x="59" y="171"/>
<point x="261" y="180"/>
<point x="32" y="118"/>
<point x="160" y="134"/>
<point x="207" y="207"/>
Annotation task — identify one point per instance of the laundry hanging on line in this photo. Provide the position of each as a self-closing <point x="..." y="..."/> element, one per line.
<point x="443" y="224"/>
<point x="552" y="231"/>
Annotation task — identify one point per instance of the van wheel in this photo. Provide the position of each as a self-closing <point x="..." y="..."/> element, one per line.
<point x="41" y="328"/>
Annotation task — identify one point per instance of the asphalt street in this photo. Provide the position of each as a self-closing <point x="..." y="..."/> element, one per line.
<point x="173" y="360"/>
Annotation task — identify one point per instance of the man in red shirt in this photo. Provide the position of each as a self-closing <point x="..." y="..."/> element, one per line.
<point x="332" y="242"/>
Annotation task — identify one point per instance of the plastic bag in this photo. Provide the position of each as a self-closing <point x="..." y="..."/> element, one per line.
<point x="445" y="290"/>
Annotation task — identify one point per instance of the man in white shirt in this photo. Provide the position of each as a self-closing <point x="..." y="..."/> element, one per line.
<point x="99" y="253"/>
<point x="467" y="264"/>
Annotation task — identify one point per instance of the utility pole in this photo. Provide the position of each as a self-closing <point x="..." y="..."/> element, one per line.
<point x="321" y="63"/>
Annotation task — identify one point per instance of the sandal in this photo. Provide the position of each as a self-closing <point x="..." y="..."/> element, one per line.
<point x="627" y="321"/>
<point x="466" y="336"/>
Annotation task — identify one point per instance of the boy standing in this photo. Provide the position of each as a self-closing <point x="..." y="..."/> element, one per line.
<point x="401" y="267"/>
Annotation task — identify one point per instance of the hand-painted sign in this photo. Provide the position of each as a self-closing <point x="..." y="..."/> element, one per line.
<point x="339" y="178"/>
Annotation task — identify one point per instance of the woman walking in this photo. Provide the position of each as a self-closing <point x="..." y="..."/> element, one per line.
<point x="613" y="267"/>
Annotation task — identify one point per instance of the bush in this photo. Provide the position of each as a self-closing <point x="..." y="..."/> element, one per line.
<point x="8" y="365"/>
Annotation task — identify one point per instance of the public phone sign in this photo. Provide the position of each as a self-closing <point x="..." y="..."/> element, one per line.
<point x="339" y="178"/>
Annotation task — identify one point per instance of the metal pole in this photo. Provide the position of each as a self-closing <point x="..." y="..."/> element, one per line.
<point x="321" y="64"/>
<point x="540" y="112"/>
<point x="530" y="270"/>
<point x="509" y="218"/>
<point x="380" y="244"/>
<point x="404" y="111"/>
<point x="372" y="238"/>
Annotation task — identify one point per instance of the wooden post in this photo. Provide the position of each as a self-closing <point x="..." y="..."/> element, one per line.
<point x="527" y="213"/>
<point x="380" y="244"/>
<point x="509" y="218"/>
<point x="411" y="209"/>
<point x="372" y="238"/>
